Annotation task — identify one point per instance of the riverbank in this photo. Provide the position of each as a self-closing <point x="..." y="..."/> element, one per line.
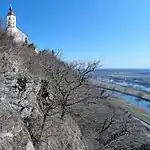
<point x="92" y="116"/>
<point x="122" y="89"/>
<point x="137" y="112"/>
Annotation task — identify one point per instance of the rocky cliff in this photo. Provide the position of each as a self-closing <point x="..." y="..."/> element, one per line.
<point x="19" y="110"/>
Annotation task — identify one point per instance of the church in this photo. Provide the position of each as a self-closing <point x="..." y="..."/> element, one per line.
<point x="12" y="30"/>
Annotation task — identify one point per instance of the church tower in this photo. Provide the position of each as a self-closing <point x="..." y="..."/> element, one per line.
<point x="12" y="29"/>
<point x="11" y="19"/>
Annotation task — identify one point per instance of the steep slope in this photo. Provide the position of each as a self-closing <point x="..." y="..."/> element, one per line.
<point x="19" y="107"/>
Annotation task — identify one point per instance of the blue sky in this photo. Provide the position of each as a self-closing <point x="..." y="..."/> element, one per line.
<point x="117" y="32"/>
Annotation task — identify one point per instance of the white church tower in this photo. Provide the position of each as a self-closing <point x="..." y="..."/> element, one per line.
<point x="12" y="29"/>
<point x="11" y="19"/>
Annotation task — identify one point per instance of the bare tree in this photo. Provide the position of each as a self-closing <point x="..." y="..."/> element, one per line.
<point x="116" y="135"/>
<point x="64" y="86"/>
<point x="69" y="82"/>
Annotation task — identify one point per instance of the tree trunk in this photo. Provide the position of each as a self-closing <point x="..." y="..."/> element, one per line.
<point x="63" y="112"/>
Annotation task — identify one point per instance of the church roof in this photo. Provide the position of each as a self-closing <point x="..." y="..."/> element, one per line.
<point x="10" y="12"/>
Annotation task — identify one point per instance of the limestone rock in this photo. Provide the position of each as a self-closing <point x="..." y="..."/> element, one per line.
<point x="13" y="134"/>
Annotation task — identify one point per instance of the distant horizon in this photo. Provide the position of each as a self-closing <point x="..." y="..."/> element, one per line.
<point x="102" y="68"/>
<point x="124" y="68"/>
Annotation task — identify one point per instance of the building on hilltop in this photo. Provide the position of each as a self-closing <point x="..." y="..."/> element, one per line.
<point x="12" y="30"/>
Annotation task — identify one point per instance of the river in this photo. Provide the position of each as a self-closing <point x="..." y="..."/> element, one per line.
<point x="135" y="78"/>
<point x="134" y="101"/>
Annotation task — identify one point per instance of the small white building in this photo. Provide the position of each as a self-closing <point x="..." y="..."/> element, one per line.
<point x="12" y="30"/>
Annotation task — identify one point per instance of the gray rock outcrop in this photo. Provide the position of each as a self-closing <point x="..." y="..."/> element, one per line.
<point x="18" y="93"/>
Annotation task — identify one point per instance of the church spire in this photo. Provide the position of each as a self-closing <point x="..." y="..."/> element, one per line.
<point x="10" y="8"/>
<point x="10" y="11"/>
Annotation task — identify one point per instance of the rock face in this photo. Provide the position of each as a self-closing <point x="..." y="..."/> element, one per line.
<point x="18" y="90"/>
<point x="62" y="135"/>
<point x="18" y="93"/>
<point x="13" y="134"/>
